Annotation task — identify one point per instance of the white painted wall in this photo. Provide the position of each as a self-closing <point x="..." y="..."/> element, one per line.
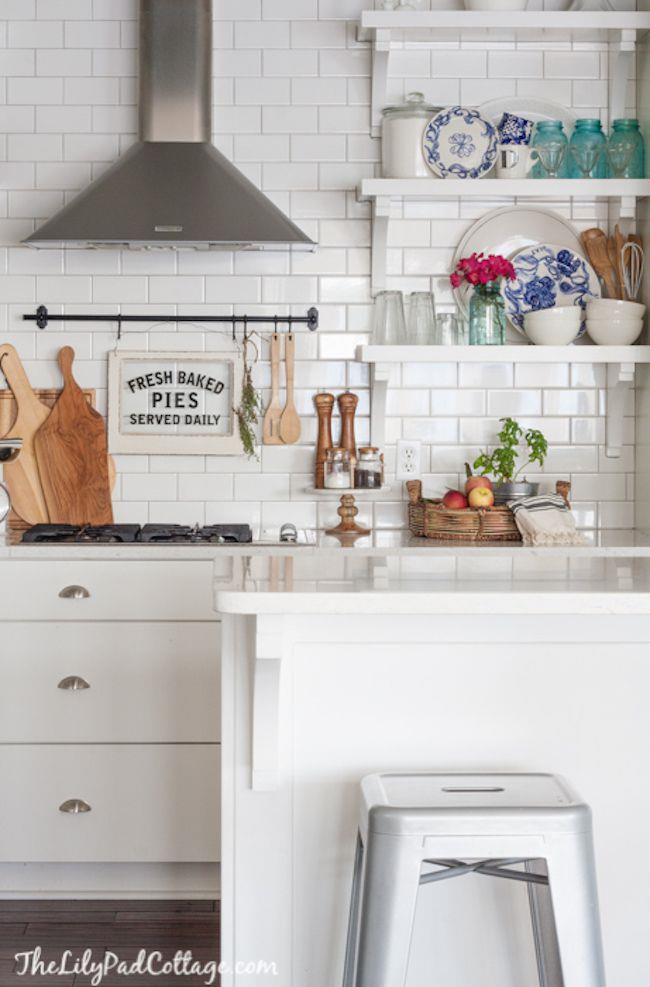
<point x="291" y="93"/>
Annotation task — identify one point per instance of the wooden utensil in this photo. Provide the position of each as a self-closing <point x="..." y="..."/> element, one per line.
<point x="611" y="254"/>
<point x="324" y="407"/>
<point x="22" y="476"/>
<point x="619" y="240"/>
<point x="347" y="403"/>
<point x="72" y="453"/>
<point x="290" y="422"/>
<point x="595" y="243"/>
<point x="271" y="429"/>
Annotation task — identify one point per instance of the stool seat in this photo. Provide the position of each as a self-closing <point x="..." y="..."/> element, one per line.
<point x="422" y="803"/>
<point x="518" y="827"/>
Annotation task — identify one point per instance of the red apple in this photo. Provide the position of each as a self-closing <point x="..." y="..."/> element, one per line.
<point x="477" y="481"/>
<point x="454" y="500"/>
<point x="481" y="497"/>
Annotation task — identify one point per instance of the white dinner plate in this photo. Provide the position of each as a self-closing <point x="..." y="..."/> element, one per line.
<point x="530" y="108"/>
<point x="507" y="231"/>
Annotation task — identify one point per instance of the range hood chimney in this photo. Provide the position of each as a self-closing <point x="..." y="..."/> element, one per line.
<point x="173" y="188"/>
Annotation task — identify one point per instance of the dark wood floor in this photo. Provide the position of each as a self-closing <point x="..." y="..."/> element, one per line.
<point x="122" y="927"/>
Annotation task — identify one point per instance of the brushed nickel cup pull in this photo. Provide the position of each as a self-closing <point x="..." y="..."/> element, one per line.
<point x="74" y="593"/>
<point x="73" y="683"/>
<point x="74" y="806"/>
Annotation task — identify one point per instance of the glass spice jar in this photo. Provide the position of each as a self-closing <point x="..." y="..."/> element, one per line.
<point x="369" y="471"/>
<point x="338" y="469"/>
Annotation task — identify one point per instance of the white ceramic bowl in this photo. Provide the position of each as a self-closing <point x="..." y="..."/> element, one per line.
<point x="614" y="332"/>
<point x="496" y="4"/>
<point x="553" y="326"/>
<point x="607" y="308"/>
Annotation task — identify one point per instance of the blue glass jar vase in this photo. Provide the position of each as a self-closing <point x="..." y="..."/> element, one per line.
<point x="487" y="316"/>
<point x="626" y="149"/>
<point x="552" y="146"/>
<point x="588" y="150"/>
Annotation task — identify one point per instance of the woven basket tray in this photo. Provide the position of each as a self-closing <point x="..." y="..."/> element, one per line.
<point x="429" y="519"/>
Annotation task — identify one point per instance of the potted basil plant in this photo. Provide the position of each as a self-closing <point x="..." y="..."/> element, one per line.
<point x="502" y="463"/>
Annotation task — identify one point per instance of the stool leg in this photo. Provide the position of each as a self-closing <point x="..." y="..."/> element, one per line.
<point x="353" y="921"/>
<point x="390" y="891"/>
<point x="543" y="922"/>
<point x="572" y="875"/>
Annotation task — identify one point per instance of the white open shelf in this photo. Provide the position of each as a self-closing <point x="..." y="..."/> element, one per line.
<point x="385" y="192"/>
<point x="386" y="30"/>
<point x="503" y="354"/>
<point x="621" y="363"/>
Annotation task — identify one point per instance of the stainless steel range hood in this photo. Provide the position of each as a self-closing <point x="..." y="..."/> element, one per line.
<point x="173" y="188"/>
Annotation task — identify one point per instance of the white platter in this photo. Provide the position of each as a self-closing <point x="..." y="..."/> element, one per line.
<point x="530" y="108"/>
<point x="509" y="230"/>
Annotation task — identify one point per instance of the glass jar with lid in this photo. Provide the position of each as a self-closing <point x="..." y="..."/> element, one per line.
<point x="626" y="150"/>
<point x="369" y="471"/>
<point x="338" y="469"/>
<point x="402" y="131"/>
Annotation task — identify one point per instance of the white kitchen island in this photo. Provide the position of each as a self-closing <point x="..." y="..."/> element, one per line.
<point x="334" y="667"/>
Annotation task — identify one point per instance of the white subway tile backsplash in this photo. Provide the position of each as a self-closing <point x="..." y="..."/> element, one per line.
<point x="292" y="95"/>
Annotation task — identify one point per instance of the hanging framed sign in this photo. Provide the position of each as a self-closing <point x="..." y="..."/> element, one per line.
<point x="174" y="403"/>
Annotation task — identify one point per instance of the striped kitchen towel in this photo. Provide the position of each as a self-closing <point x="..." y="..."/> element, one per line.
<point x="546" y="520"/>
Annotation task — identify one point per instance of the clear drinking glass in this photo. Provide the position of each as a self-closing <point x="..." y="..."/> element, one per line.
<point x="388" y="324"/>
<point x="421" y="325"/>
<point x="448" y="330"/>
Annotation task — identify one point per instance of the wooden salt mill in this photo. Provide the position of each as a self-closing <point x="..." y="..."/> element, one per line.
<point x="324" y="407"/>
<point x="347" y="407"/>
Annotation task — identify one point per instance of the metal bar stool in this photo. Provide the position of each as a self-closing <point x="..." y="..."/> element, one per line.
<point x="485" y="824"/>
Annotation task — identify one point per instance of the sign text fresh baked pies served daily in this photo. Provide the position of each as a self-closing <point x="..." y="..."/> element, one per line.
<point x="174" y="403"/>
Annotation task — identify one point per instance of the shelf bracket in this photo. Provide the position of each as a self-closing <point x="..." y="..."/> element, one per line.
<point x="380" y="69"/>
<point x="621" y="54"/>
<point x="620" y="380"/>
<point x="380" y="220"/>
<point x="265" y="746"/>
<point x="379" y="377"/>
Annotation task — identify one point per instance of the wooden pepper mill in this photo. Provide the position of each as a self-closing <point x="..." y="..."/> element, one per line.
<point x="324" y="407"/>
<point x="347" y="403"/>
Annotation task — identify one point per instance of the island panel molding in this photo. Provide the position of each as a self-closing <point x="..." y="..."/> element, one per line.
<point x="174" y="403"/>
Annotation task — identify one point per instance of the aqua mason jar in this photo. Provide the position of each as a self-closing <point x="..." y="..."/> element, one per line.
<point x="551" y="144"/>
<point x="588" y="150"/>
<point x="626" y="150"/>
<point x="487" y="316"/>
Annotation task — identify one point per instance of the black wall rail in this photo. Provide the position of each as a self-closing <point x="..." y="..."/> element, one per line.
<point x="42" y="317"/>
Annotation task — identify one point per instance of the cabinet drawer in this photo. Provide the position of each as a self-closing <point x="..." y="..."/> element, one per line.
<point x="148" y="803"/>
<point x="109" y="590"/>
<point x="111" y="682"/>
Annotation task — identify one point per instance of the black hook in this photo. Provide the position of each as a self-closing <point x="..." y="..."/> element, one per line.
<point x="119" y="328"/>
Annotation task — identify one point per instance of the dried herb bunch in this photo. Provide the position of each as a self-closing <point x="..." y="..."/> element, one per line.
<point x="249" y="409"/>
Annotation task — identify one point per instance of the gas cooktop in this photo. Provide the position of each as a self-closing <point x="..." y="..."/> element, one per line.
<point x="150" y="534"/>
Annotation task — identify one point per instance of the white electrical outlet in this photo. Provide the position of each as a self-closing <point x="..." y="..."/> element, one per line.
<point x="408" y="460"/>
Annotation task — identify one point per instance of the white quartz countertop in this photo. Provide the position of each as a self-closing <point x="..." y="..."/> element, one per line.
<point x="396" y="543"/>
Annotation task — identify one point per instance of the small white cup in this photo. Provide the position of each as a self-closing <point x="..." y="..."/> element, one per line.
<point x="515" y="160"/>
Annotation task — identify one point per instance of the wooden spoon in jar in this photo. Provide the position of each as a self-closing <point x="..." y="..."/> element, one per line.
<point x="595" y="243"/>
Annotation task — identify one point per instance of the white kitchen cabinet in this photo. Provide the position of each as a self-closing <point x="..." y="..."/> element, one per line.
<point x="110" y="682"/>
<point x="110" y="697"/>
<point x="148" y="803"/>
<point x="107" y="590"/>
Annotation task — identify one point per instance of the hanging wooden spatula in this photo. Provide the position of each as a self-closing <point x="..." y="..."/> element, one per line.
<point x="595" y="243"/>
<point x="271" y="429"/>
<point x="22" y="476"/>
<point x="72" y="453"/>
<point x="290" y="422"/>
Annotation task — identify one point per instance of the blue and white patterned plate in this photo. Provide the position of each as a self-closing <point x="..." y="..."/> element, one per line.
<point x="548" y="276"/>
<point x="459" y="143"/>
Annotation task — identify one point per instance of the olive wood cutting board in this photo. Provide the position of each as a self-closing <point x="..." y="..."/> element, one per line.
<point x="22" y="476"/>
<point x="72" y="453"/>
<point x="47" y="396"/>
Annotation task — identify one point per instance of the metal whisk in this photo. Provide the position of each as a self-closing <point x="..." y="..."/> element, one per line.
<point x="632" y="266"/>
